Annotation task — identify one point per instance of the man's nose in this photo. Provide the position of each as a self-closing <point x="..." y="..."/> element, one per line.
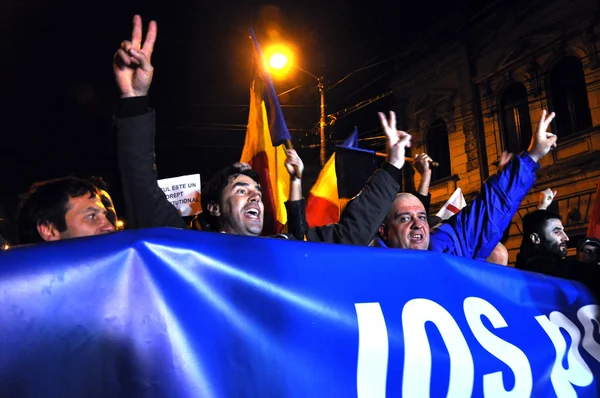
<point x="255" y="197"/>
<point x="107" y="226"/>
<point x="416" y="223"/>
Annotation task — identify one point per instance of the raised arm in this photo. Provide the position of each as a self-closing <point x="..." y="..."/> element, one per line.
<point x="363" y="215"/>
<point x="476" y="230"/>
<point x="145" y="202"/>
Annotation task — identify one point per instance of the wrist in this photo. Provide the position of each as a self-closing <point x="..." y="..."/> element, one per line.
<point x="535" y="157"/>
<point x="133" y="93"/>
<point x="396" y="163"/>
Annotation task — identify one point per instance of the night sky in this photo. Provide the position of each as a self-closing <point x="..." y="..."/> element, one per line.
<point x="58" y="94"/>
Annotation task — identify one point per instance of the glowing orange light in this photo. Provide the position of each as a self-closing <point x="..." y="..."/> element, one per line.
<point x="278" y="61"/>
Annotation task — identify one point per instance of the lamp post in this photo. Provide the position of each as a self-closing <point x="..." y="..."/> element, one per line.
<point x="279" y="61"/>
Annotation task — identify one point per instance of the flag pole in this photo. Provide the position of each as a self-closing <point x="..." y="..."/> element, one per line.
<point x="407" y="159"/>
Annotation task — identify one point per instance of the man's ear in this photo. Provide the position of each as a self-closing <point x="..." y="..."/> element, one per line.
<point x="48" y="232"/>
<point x="214" y="209"/>
<point x="383" y="232"/>
<point x="534" y="238"/>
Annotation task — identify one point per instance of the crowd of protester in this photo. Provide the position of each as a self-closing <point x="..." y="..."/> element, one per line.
<point x="231" y="200"/>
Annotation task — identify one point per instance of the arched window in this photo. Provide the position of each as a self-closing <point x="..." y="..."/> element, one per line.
<point x="568" y="97"/>
<point x="438" y="148"/>
<point x="516" y="122"/>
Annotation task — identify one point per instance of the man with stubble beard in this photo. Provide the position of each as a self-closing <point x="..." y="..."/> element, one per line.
<point x="544" y="243"/>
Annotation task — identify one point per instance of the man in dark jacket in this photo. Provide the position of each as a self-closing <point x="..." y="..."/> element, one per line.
<point x="544" y="243"/>
<point x="544" y="247"/>
<point x="231" y="200"/>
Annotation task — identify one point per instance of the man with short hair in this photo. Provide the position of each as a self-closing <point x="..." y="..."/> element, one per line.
<point x="62" y="208"/>
<point x="231" y="199"/>
<point x="544" y="243"/>
<point x="544" y="247"/>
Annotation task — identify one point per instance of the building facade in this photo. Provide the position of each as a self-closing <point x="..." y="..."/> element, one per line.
<point x="477" y="87"/>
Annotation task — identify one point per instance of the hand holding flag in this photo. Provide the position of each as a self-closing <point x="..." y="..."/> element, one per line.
<point x="423" y="163"/>
<point x="294" y="164"/>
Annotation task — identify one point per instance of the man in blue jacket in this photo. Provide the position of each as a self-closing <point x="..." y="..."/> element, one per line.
<point x="476" y="229"/>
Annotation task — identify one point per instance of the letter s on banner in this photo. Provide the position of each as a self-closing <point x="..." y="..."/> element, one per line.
<point x="417" y="351"/>
<point x="371" y="369"/>
<point x="493" y="385"/>
<point x="578" y="373"/>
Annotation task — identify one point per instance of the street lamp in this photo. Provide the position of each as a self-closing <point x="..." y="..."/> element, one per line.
<point x="279" y="60"/>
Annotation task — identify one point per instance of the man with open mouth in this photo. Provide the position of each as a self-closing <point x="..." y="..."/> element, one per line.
<point x="232" y="199"/>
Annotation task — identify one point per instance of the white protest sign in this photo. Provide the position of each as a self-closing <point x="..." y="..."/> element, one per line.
<point x="183" y="193"/>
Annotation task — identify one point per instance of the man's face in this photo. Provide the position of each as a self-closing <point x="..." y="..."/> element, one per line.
<point x="554" y="239"/>
<point x="241" y="208"/>
<point x="85" y="216"/>
<point x="588" y="254"/>
<point x="406" y="224"/>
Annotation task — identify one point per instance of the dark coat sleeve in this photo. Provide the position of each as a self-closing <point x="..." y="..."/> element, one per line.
<point x="362" y="217"/>
<point x="296" y="216"/>
<point x="146" y="204"/>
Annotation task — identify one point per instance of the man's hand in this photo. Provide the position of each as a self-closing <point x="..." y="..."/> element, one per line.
<point x="397" y="141"/>
<point x="422" y="163"/>
<point x="292" y="160"/>
<point x="546" y="198"/>
<point x="504" y="158"/>
<point x="131" y="65"/>
<point x="542" y="141"/>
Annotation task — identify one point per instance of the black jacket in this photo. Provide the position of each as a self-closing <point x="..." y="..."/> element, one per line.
<point x="147" y="206"/>
<point x="566" y="268"/>
<point x="361" y="218"/>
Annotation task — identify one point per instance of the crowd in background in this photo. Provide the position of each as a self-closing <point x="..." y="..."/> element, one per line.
<point x="232" y="202"/>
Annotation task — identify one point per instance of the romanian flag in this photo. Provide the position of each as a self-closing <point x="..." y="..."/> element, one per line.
<point x="594" y="225"/>
<point x="343" y="176"/>
<point x="265" y="133"/>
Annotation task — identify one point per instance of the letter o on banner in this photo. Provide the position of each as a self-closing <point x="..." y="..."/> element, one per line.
<point x="417" y="351"/>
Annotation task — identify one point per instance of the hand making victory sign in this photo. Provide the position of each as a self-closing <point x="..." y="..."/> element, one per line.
<point x="132" y="68"/>
<point x="397" y="140"/>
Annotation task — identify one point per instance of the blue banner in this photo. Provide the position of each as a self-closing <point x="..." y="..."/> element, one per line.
<point x="169" y="313"/>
